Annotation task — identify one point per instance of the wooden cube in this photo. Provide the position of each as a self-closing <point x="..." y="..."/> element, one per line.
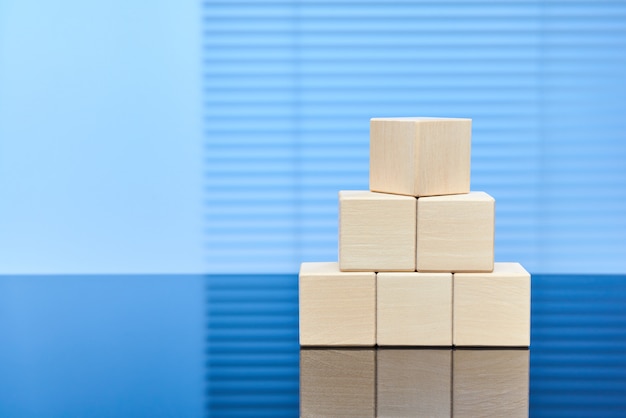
<point x="420" y="156"/>
<point x="455" y="233"/>
<point x="414" y="383"/>
<point x="492" y="309"/>
<point x="376" y="231"/>
<point x="336" y="308"/>
<point x="337" y="383"/>
<point x="490" y="383"/>
<point x="414" y="309"/>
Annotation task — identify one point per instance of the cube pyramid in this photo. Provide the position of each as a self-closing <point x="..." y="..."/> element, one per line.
<point x="416" y="252"/>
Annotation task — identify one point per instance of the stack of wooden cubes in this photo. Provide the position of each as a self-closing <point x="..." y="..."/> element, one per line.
<point x="416" y="252"/>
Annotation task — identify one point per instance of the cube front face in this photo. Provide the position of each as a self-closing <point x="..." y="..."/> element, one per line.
<point x="455" y="233"/>
<point x="443" y="157"/>
<point x="336" y="308"/>
<point x="492" y="309"/>
<point x="420" y="156"/>
<point x="393" y="147"/>
<point x="376" y="231"/>
<point x="414" y="309"/>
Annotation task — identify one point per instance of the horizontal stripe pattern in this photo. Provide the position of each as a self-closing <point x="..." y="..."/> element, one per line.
<point x="290" y="87"/>
<point x="253" y="345"/>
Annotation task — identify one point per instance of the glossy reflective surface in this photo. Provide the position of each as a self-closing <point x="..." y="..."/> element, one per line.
<point x="576" y="366"/>
<point x="228" y="346"/>
<point x="413" y="382"/>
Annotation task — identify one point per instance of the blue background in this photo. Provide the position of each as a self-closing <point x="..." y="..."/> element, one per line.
<point x="192" y="137"/>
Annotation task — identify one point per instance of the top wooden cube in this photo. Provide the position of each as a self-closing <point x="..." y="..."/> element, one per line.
<point x="420" y="156"/>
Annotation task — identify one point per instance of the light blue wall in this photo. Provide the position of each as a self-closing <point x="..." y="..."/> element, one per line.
<point x="100" y="137"/>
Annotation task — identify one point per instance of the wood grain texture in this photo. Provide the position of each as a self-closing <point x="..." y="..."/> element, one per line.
<point x="414" y="309"/>
<point x="414" y="383"/>
<point x="455" y="233"/>
<point x="337" y="383"/>
<point x="376" y="231"/>
<point x="492" y="309"/>
<point x="420" y="156"/>
<point x="336" y="308"/>
<point x="490" y="383"/>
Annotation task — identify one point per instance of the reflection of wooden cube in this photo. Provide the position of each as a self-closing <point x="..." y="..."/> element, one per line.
<point x="376" y="231"/>
<point x="490" y="383"/>
<point x="414" y="383"/>
<point x="336" y="308"/>
<point x="337" y="383"/>
<point x="414" y="309"/>
<point x="492" y="309"/>
<point x="455" y="233"/>
<point x="420" y="156"/>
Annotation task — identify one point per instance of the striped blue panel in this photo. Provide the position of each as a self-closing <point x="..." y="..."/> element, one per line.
<point x="291" y="85"/>
<point x="582" y="212"/>
<point x="578" y="367"/>
<point x="253" y="345"/>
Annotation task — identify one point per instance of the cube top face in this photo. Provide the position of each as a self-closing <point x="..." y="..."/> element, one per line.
<point x="325" y="269"/>
<point x="336" y="308"/>
<point x="503" y="270"/>
<point x="492" y="309"/>
<point x="467" y="197"/>
<point x="419" y="119"/>
<point x="407" y="277"/>
<point x="368" y="195"/>
<point x="414" y="309"/>
<point x="376" y="231"/>
<point x="456" y="233"/>
<point x="420" y="156"/>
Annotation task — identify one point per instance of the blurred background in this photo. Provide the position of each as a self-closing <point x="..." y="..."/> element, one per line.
<point x="213" y="137"/>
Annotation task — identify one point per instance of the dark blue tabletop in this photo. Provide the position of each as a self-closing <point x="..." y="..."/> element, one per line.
<point x="227" y="345"/>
